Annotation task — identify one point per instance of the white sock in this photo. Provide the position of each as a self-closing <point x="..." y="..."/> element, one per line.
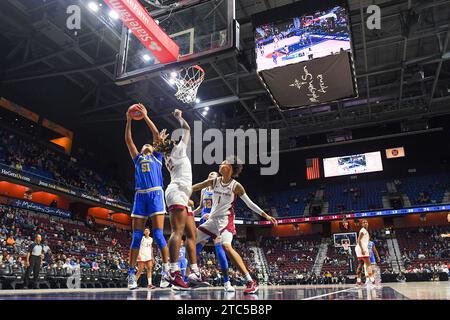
<point x="247" y="277"/>
<point x="149" y="281"/>
<point x="358" y="279"/>
<point x="165" y="267"/>
<point x="194" y="268"/>
<point x="174" y="267"/>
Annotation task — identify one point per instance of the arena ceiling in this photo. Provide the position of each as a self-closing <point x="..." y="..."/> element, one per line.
<point x="403" y="70"/>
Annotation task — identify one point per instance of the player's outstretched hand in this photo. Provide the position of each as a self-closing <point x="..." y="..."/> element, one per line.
<point x="271" y="219"/>
<point x="143" y="109"/>
<point x="163" y="135"/>
<point x="177" y="113"/>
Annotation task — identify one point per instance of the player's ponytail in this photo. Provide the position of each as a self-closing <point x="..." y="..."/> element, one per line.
<point x="165" y="147"/>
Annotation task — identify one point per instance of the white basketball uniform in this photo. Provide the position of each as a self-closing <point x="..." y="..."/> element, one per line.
<point x="221" y="218"/>
<point x="365" y="244"/>
<point x="178" y="191"/>
<point x="146" y="250"/>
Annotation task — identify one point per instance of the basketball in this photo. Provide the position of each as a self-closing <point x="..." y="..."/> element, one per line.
<point x="135" y="112"/>
<point x="448" y="217"/>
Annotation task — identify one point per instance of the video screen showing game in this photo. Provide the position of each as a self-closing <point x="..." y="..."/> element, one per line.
<point x="353" y="164"/>
<point x="307" y="37"/>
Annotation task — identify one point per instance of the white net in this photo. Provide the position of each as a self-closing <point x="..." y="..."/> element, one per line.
<point x="187" y="81"/>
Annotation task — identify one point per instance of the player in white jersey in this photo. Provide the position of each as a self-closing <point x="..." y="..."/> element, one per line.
<point x="145" y="258"/>
<point x="177" y="195"/>
<point x="221" y="219"/>
<point x="363" y="253"/>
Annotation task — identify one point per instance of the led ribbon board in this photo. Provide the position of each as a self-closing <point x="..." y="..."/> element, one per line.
<point x="361" y="215"/>
<point x="137" y="19"/>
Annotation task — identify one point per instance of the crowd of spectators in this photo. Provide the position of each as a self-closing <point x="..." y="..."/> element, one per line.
<point x="64" y="247"/>
<point x="289" y="257"/>
<point x="424" y="249"/>
<point x="307" y="277"/>
<point x="32" y="156"/>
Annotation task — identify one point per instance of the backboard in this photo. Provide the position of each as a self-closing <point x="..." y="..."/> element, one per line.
<point x="201" y="29"/>
<point x="349" y="237"/>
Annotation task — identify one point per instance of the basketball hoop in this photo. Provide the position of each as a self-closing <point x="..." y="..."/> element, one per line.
<point x="187" y="81"/>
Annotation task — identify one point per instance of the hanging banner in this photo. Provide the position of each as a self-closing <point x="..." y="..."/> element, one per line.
<point x="149" y="33"/>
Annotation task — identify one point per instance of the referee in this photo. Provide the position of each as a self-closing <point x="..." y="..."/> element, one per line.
<point x="34" y="259"/>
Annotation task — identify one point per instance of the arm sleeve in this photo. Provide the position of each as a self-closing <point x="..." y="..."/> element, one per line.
<point x="250" y="204"/>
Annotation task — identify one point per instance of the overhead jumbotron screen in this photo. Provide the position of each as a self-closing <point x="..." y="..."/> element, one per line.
<point x="304" y="54"/>
<point x="353" y="164"/>
<point x="312" y="35"/>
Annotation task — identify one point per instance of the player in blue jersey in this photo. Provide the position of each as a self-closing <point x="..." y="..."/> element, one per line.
<point x="204" y="209"/>
<point x="149" y="197"/>
<point x="374" y="258"/>
<point x="182" y="261"/>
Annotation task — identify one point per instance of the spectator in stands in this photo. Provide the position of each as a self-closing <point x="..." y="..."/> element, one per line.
<point x="10" y="242"/>
<point x="46" y="250"/>
<point x="95" y="265"/>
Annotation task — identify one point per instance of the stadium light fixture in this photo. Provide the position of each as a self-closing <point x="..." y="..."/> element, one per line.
<point x="93" y="6"/>
<point x="114" y="15"/>
<point x="197" y="100"/>
<point x="146" y="57"/>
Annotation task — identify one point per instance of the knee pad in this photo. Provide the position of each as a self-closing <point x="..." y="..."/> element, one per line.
<point x="159" y="238"/>
<point x="137" y="238"/>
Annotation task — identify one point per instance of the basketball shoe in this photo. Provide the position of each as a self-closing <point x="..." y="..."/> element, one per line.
<point x="228" y="287"/>
<point x="176" y="280"/>
<point x="251" y="287"/>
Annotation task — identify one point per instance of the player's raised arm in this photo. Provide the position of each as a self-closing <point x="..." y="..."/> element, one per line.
<point x="150" y="124"/>
<point x="129" y="138"/>
<point x="199" y="186"/>
<point x="240" y="191"/>
<point x="183" y="123"/>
